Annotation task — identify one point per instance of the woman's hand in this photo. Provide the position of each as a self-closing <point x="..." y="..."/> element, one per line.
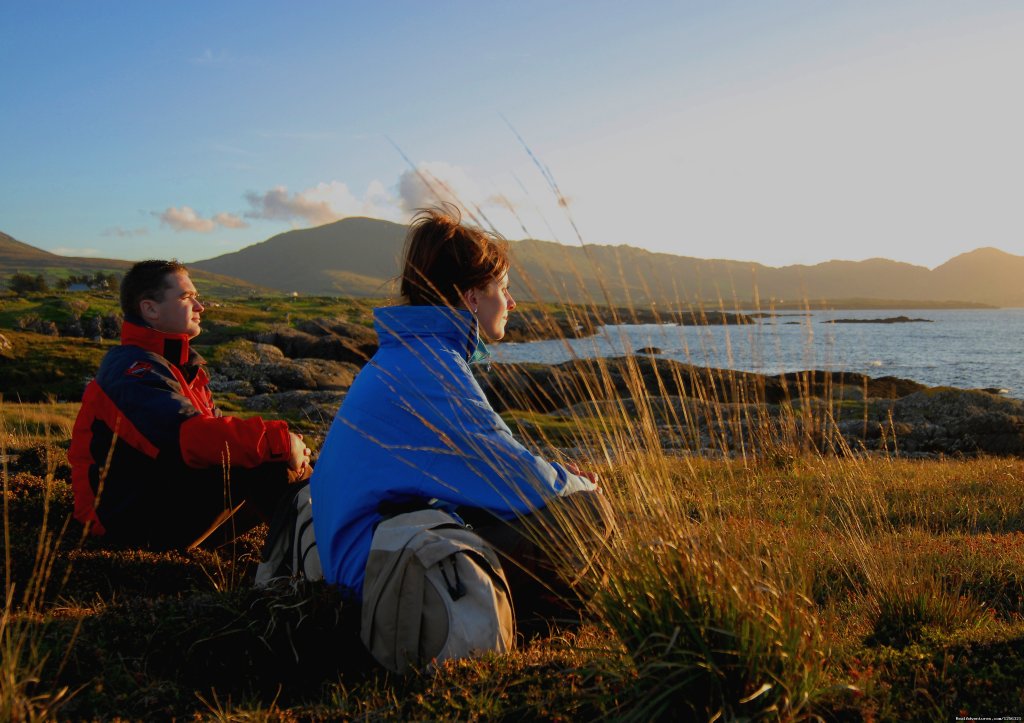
<point x="590" y="475"/>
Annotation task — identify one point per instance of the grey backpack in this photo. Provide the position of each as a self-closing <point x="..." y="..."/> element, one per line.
<point x="290" y="549"/>
<point x="434" y="590"/>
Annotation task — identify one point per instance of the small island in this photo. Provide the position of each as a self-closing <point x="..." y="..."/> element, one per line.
<point x="887" y="320"/>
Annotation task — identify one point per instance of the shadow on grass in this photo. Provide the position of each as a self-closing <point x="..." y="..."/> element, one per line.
<point x="136" y="633"/>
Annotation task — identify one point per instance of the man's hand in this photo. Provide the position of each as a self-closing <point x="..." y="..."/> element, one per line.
<point x="298" y="464"/>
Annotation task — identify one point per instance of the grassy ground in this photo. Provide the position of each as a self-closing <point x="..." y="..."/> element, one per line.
<point x="780" y="584"/>
<point x="847" y="588"/>
<point x="38" y="367"/>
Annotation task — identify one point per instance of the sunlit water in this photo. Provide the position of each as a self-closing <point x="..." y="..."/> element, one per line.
<point x="960" y="348"/>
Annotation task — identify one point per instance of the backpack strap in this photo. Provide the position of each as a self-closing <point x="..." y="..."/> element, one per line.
<point x="281" y="556"/>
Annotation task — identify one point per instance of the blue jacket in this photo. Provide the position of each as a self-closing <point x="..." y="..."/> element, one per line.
<point x="415" y="427"/>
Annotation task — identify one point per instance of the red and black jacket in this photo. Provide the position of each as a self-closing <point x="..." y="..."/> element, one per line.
<point x="150" y="402"/>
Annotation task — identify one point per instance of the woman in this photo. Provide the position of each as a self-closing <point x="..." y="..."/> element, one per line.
<point x="416" y="429"/>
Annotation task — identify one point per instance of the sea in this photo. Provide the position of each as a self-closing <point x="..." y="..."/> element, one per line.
<point x="967" y="348"/>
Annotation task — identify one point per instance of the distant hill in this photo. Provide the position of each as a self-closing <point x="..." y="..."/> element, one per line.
<point x="359" y="257"/>
<point x="14" y="252"/>
<point x="17" y="256"/>
<point x="986" y="274"/>
<point x="354" y="256"/>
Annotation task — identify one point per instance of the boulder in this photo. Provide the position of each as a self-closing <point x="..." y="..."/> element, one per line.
<point x="960" y="421"/>
<point x="266" y="369"/>
<point x="942" y="421"/>
<point x="337" y="341"/>
<point x="358" y="333"/>
<point x="240" y="387"/>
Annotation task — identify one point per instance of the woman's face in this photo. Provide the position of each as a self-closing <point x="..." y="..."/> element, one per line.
<point x="491" y="304"/>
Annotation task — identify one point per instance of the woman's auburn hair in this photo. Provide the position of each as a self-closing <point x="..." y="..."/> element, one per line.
<point x="444" y="258"/>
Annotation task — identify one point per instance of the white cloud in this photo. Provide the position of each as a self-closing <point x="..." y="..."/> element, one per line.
<point x="69" y="251"/>
<point x="229" y="220"/>
<point x="277" y="204"/>
<point x="437" y="182"/>
<point x="428" y="185"/>
<point x="323" y="203"/>
<point x="186" y="219"/>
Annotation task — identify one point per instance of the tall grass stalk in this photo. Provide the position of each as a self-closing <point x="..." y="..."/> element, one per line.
<point x="24" y="695"/>
<point x="713" y="626"/>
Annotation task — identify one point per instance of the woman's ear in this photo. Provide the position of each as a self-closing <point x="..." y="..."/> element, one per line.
<point x="470" y="300"/>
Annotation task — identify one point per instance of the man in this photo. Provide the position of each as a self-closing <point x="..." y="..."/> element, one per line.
<point x="153" y="462"/>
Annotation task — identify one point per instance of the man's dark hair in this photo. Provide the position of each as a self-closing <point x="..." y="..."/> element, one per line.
<point x="146" y="280"/>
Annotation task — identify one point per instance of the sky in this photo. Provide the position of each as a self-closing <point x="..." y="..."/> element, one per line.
<point x="779" y="132"/>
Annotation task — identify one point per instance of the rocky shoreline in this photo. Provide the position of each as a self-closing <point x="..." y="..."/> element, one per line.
<point x="534" y="325"/>
<point x="308" y="369"/>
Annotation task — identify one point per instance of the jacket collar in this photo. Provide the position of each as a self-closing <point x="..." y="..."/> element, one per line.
<point x="173" y="347"/>
<point x="456" y="327"/>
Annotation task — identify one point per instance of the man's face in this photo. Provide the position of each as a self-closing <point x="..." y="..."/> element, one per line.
<point x="179" y="309"/>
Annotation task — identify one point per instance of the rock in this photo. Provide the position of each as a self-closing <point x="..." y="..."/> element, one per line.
<point x="945" y="421"/>
<point x="649" y="350"/>
<point x="358" y="333"/>
<point x="326" y="374"/>
<point x="531" y="325"/>
<point x="837" y="385"/>
<point x="241" y="387"/>
<point x="934" y="422"/>
<point x="239" y="355"/>
<point x="319" y="407"/>
<point x="956" y="421"/>
<point x="110" y="325"/>
<point x="543" y="388"/>
<point x="72" y="327"/>
<point x="266" y="369"/>
<point x="888" y="320"/>
<point x="296" y="343"/>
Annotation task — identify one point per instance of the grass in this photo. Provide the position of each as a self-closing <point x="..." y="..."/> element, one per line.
<point x="39" y="367"/>
<point x="826" y="587"/>
<point x="56" y="306"/>
<point x="777" y="575"/>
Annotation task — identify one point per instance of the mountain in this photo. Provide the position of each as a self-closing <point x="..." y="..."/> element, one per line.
<point x="989" y="275"/>
<point x="17" y="256"/>
<point x="354" y="256"/>
<point x="359" y="257"/>
<point x="14" y="252"/>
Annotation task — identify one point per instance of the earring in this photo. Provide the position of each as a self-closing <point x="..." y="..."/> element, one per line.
<point x="474" y="309"/>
